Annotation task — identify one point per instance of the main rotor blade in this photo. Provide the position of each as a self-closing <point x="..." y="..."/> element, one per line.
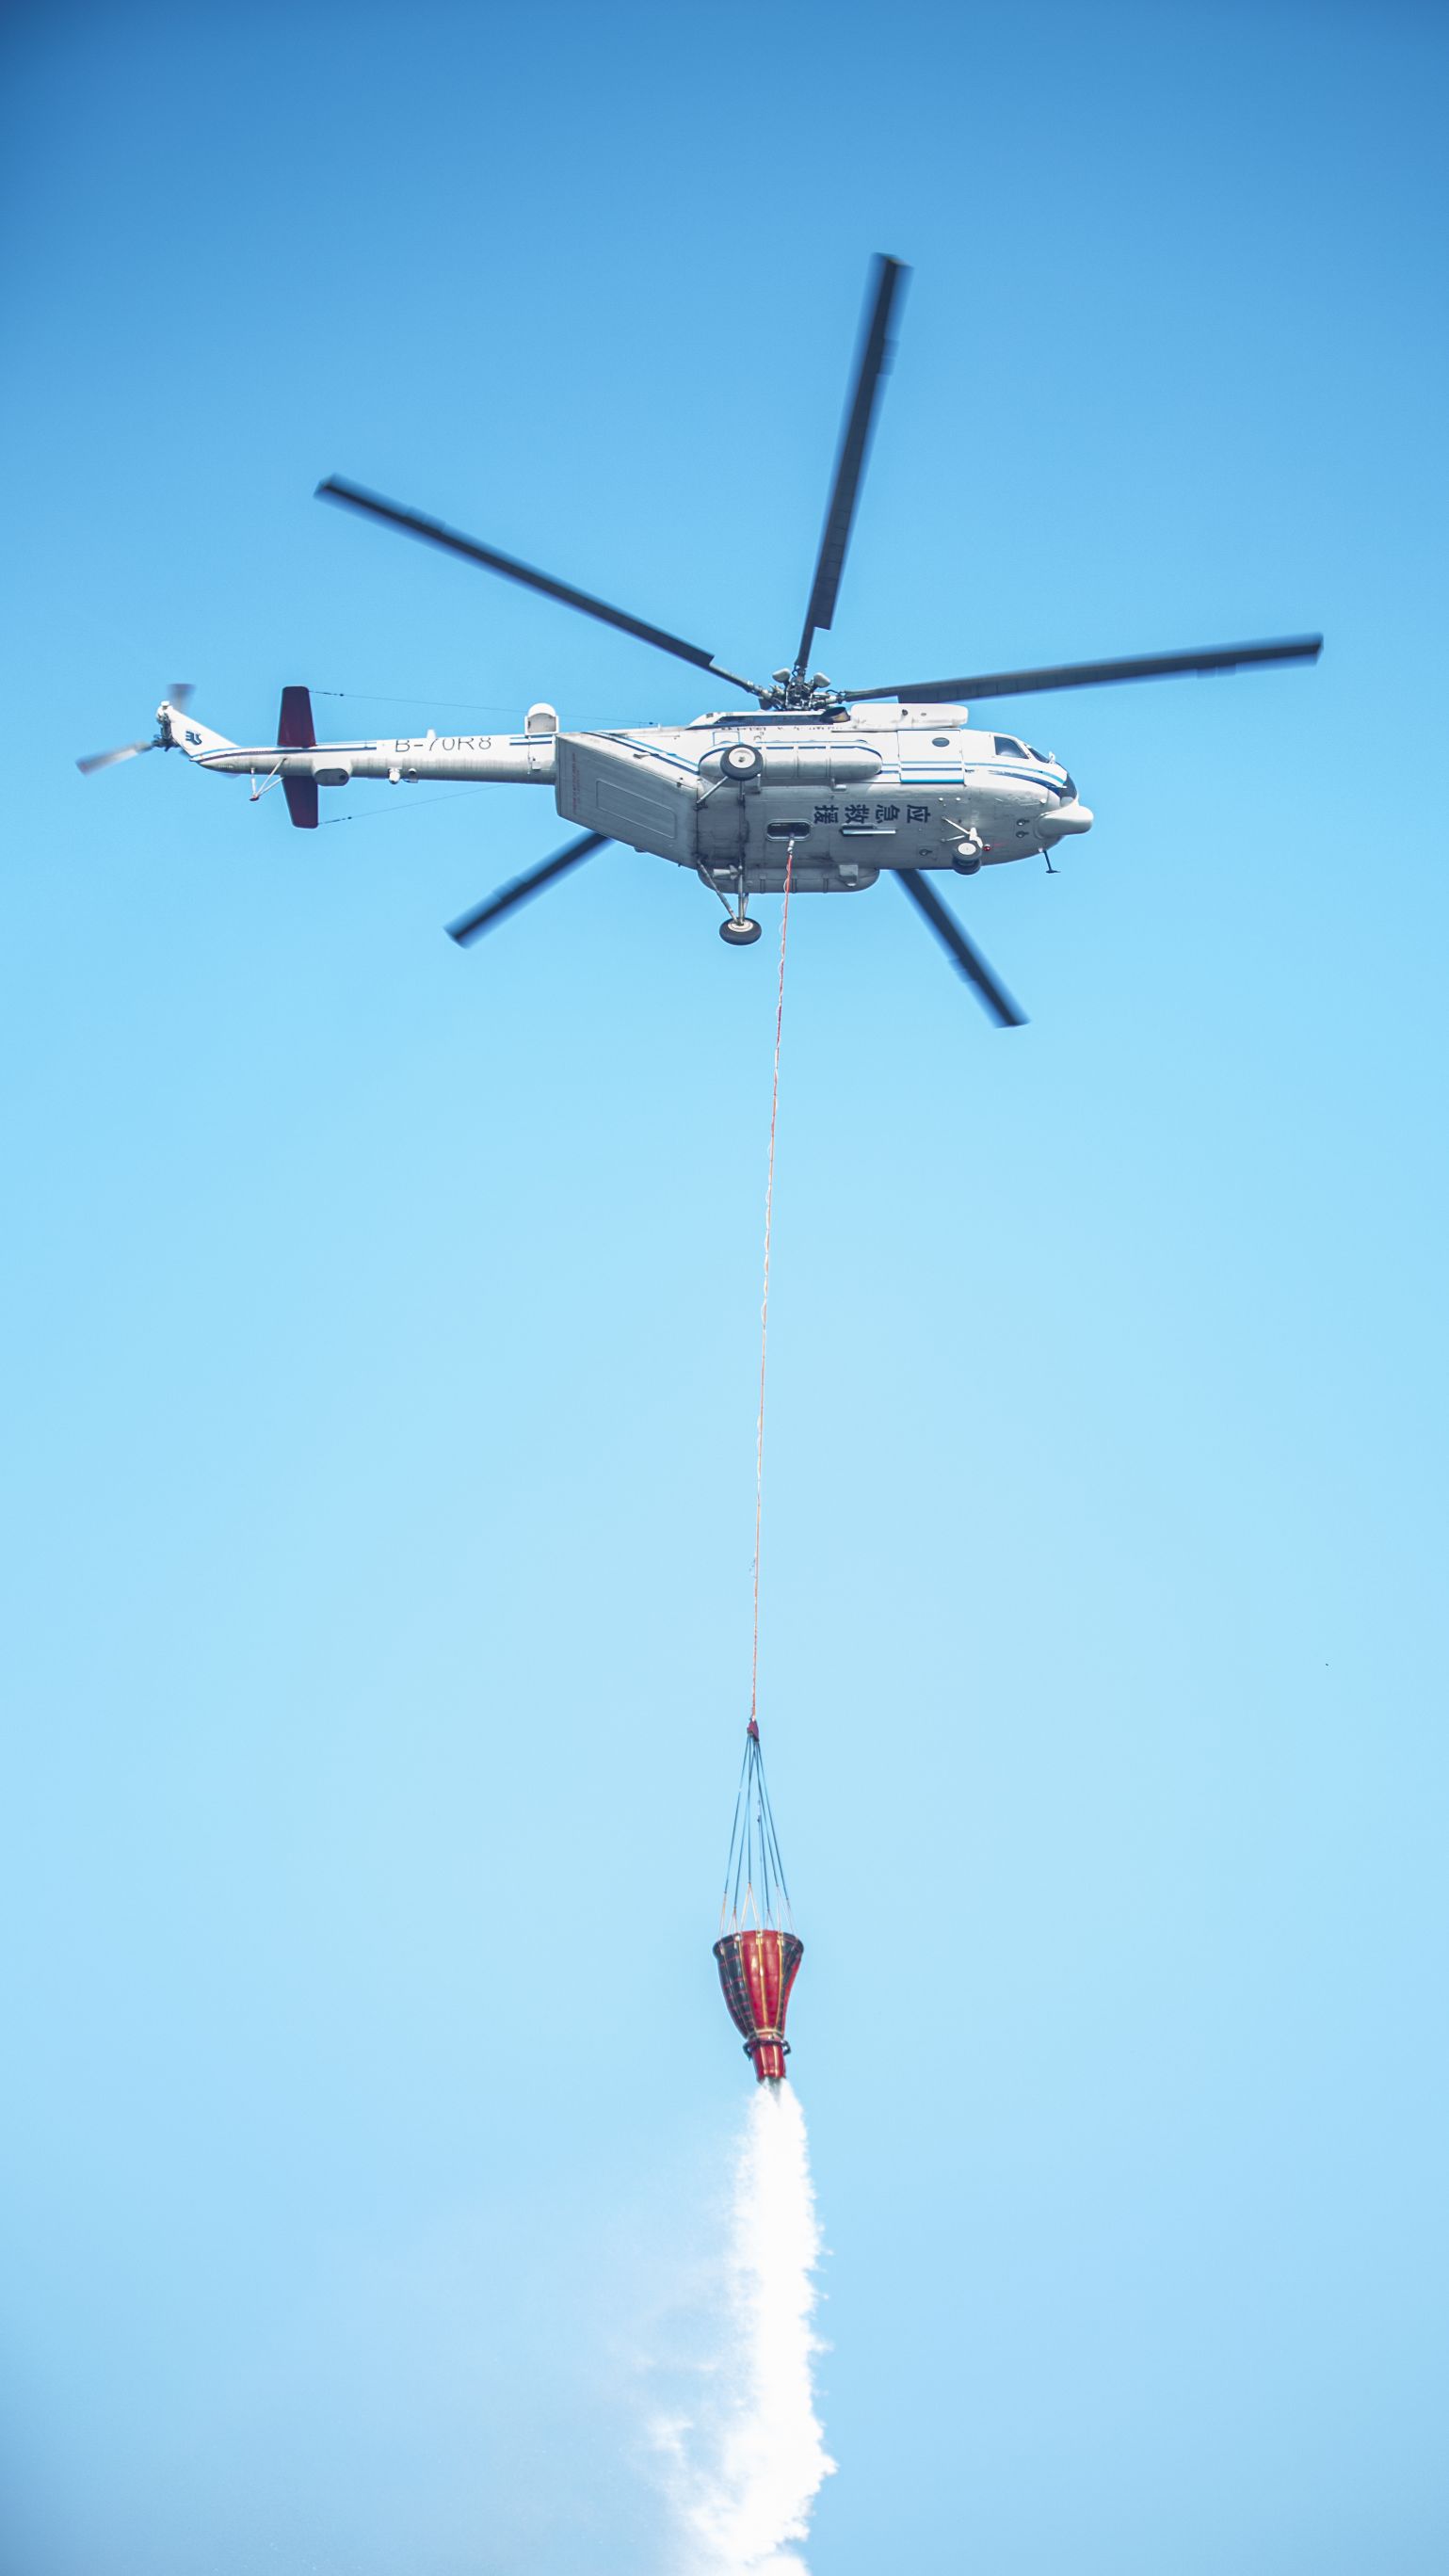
<point x="871" y="364"/>
<point x="1006" y="1013"/>
<point x="434" y="533"/>
<point x="1090" y="675"/>
<point x="107" y="759"/>
<point x="471" y="925"/>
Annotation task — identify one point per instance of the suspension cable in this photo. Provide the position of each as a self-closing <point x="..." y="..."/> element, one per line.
<point x="755" y="1890"/>
<point x="765" y="1290"/>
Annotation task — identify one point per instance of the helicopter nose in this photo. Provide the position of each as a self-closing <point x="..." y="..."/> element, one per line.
<point x="1071" y="816"/>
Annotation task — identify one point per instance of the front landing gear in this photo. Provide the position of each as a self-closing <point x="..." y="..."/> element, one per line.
<point x="738" y="931"/>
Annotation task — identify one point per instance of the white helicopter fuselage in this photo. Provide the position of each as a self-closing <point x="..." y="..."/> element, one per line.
<point x="849" y="793"/>
<point x="821" y="790"/>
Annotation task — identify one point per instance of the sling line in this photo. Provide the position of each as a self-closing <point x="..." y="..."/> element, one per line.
<point x="765" y="1291"/>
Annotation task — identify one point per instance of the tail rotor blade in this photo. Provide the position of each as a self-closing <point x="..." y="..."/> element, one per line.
<point x="107" y="759"/>
<point x="967" y="956"/>
<point x="471" y="925"/>
<point x="182" y="693"/>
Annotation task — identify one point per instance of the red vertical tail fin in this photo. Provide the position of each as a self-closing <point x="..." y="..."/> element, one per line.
<point x="295" y="729"/>
<point x="296" y="732"/>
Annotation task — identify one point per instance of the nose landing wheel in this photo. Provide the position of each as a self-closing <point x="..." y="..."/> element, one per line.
<point x="739" y="931"/>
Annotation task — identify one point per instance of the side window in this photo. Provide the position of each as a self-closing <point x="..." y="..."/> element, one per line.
<point x="1008" y="748"/>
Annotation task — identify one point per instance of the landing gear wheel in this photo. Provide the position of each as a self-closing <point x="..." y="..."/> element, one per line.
<point x="739" y="933"/>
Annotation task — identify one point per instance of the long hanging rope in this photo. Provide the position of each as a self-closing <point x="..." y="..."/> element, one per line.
<point x="765" y="1291"/>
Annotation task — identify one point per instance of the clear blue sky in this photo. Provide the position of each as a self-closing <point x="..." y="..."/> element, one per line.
<point x="381" y="1321"/>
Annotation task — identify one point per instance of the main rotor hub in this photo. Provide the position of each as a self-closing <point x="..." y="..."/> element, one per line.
<point x="817" y="695"/>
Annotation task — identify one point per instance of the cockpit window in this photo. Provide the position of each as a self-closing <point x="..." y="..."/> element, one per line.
<point x="1048" y="759"/>
<point x="1009" y="747"/>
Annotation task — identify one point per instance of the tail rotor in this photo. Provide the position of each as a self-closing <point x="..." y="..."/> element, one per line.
<point x="182" y="693"/>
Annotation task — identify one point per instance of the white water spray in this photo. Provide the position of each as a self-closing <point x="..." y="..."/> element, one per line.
<point x="745" y="2467"/>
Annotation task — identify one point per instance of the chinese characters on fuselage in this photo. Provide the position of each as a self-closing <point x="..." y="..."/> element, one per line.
<point x="884" y="814"/>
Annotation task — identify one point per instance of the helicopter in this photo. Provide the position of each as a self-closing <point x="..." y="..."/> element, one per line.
<point x="820" y="788"/>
